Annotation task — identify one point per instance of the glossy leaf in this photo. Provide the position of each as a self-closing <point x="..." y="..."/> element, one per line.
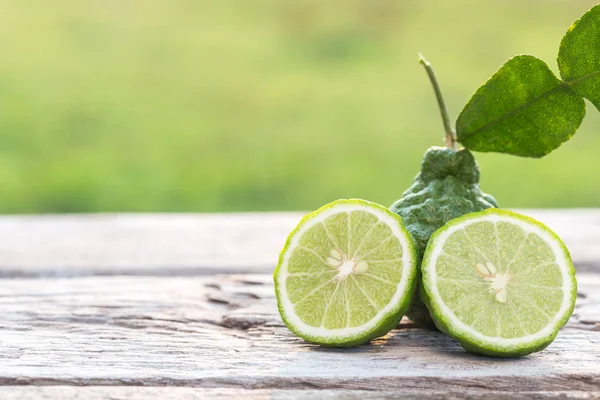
<point x="579" y="56"/>
<point x="524" y="109"/>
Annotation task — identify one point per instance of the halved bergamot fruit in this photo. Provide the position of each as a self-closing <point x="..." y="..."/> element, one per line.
<point x="346" y="274"/>
<point x="500" y="283"/>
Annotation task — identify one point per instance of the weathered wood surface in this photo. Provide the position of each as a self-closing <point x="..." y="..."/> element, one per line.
<point x="224" y="331"/>
<point x="186" y="393"/>
<point x="153" y="319"/>
<point x="192" y="244"/>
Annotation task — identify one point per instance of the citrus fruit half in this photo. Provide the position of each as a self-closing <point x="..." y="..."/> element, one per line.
<point x="346" y="274"/>
<point x="500" y="283"/>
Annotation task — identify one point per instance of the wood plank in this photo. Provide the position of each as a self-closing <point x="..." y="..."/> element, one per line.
<point x="224" y="332"/>
<point x="197" y="244"/>
<point x="141" y="244"/>
<point x="175" y="393"/>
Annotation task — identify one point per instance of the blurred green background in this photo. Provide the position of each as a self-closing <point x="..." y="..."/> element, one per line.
<point x="223" y="105"/>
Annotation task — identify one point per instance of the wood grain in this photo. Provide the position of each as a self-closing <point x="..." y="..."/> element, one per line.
<point x="197" y="244"/>
<point x="224" y="332"/>
<point x="141" y="244"/>
<point x="176" y="393"/>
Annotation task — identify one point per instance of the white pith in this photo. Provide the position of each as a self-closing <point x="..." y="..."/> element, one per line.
<point x="344" y="264"/>
<point x="499" y="282"/>
<point x="401" y="290"/>
<point x="460" y="327"/>
<point x="346" y="269"/>
<point x="496" y="280"/>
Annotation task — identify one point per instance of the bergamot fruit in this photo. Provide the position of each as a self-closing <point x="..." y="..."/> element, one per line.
<point x="346" y="274"/>
<point x="500" y="283"/>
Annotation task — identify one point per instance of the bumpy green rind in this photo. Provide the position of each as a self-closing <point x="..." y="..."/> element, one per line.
<point x="446" y="188"/>
<point x="473" y="345"/>
<point x="391" y="319"/>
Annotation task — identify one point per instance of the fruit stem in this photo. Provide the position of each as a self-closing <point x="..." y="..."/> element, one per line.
<point x="450" y="135"/>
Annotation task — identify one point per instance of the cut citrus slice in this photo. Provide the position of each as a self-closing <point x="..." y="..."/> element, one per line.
<point x="500" y="283"/>
<point x="346" y="274"/>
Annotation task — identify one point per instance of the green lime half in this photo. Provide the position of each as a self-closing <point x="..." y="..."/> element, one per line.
<point x="346" y="274"/>
<point x="500" y="283"/>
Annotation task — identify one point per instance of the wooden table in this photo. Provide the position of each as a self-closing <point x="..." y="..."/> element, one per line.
<point x="180" y="306"/>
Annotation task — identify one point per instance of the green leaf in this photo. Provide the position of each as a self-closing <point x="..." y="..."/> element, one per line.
<point x="579" y="56"/>
<point x="524" y="109"/>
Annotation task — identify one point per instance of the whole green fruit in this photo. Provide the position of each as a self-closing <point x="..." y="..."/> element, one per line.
<point x="446" y="188"/>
